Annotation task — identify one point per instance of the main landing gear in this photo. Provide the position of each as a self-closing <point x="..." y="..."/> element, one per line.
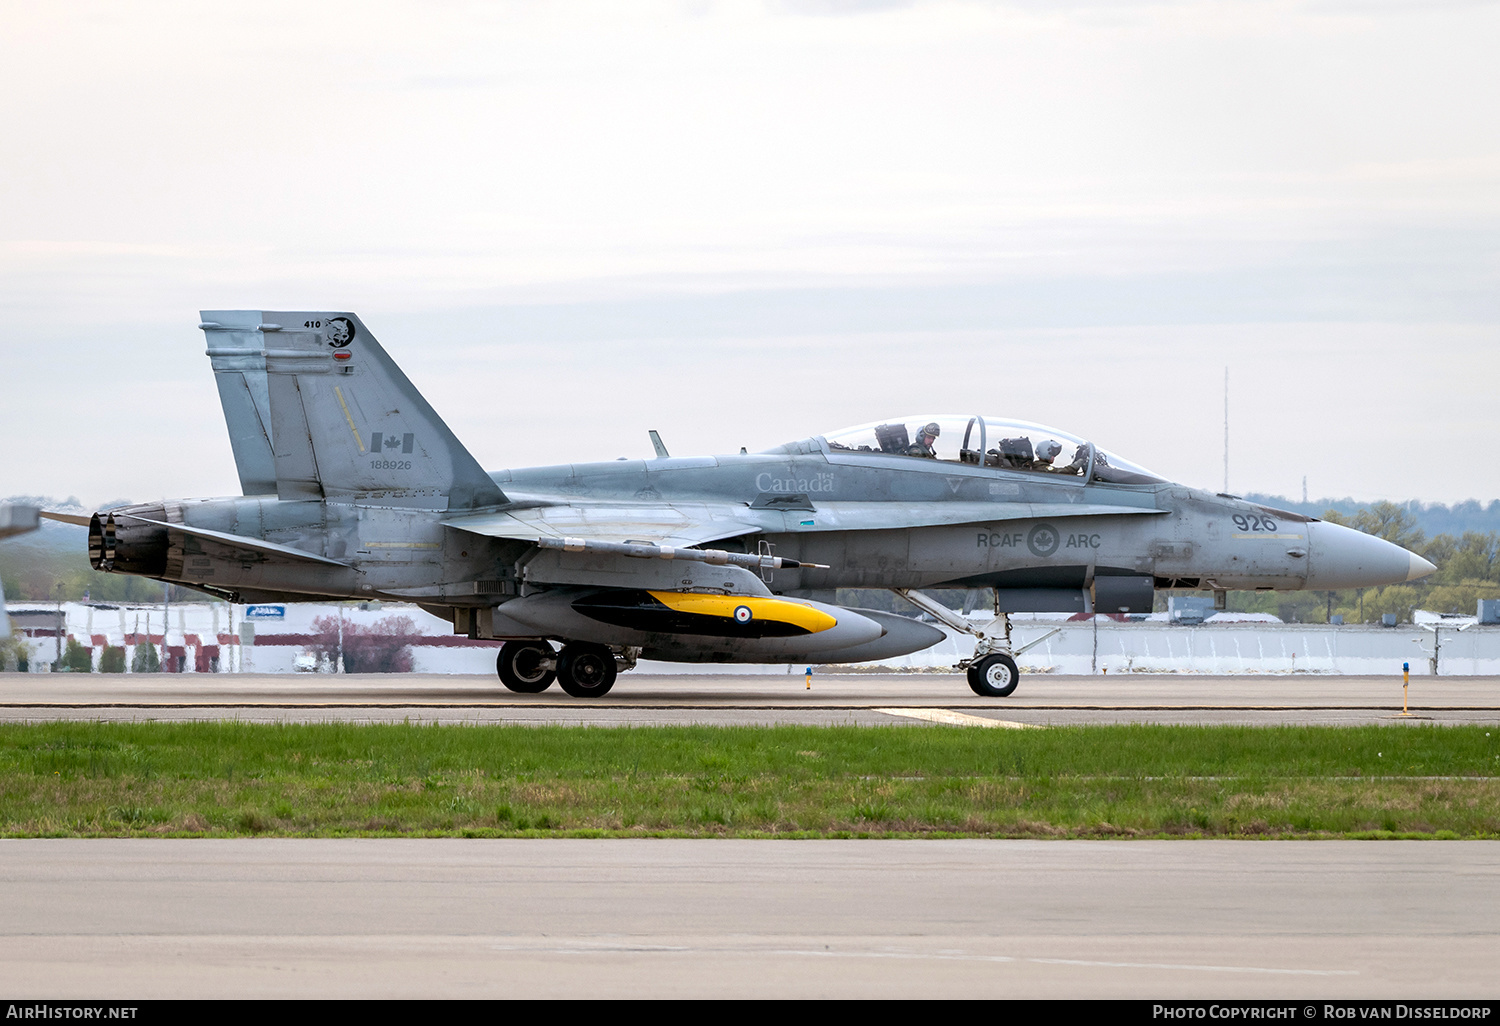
<point x="586" y="671"/>
<point x="992" y="672"/>
<point x="527" y="667"/>
<point x="583" y="670"/>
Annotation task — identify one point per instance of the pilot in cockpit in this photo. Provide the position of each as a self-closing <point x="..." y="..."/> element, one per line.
<point x="1046" y="459"/>
<point x="926" y="439"/>
<point x="1046" y="452"/>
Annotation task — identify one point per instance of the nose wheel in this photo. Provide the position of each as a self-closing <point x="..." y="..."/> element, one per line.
<point x="586" y="671"/>
<point x="992" y="672"/>
<point x="994" y="676"/>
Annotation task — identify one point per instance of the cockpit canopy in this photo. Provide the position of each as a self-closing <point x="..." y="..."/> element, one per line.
<point x="991" y="442"/>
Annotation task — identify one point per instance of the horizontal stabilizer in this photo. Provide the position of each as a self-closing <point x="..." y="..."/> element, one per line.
<point x="65" y="518"/>
<point x="240" y="541"/>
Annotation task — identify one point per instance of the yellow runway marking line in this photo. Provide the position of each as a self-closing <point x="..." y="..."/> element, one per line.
<point x="956" y="719"/>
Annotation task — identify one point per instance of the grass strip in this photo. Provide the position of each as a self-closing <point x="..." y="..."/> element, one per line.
<point x="233" y="779"/>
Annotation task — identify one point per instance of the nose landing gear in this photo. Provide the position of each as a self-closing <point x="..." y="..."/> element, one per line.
<point x="992" y="671"/>
<point x="994" y="676"/>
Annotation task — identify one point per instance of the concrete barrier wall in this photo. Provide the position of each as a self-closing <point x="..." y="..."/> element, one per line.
<point x="1235" y="648"/>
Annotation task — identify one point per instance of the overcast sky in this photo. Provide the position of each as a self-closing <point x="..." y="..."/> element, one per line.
<point x="743" y="223"/>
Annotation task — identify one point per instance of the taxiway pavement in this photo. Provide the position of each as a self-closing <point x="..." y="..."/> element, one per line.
<point x="725" y="918"/>
<point x="728" y="699"/>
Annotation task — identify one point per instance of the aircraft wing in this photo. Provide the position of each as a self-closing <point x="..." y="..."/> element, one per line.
<point x="17" y="519"/>
<point x="678" y="524"/>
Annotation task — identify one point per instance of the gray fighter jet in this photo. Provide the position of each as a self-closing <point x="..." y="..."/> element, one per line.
<point x="354" y="488"/>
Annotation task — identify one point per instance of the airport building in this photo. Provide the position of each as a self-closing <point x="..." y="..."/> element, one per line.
<point x="215" y="637"/>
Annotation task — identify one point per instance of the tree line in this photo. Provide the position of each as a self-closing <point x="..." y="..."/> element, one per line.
<point x="1434" y="518"/>
<point x="1468" y="569"/>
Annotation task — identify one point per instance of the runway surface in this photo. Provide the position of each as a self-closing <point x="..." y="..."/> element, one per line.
<point x="834" y="698"/>
<point x="706" y="918"/>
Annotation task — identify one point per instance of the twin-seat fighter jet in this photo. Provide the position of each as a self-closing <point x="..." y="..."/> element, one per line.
<point x="355" y="488"/>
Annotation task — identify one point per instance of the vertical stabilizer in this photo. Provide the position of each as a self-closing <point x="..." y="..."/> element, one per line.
<point x="344" y="420"/>
<point x="236" y="348"/>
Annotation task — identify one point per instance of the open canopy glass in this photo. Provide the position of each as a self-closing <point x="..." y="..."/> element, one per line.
<point x="1010" y="445"/>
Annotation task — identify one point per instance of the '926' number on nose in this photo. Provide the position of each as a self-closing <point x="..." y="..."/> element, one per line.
<point x="1253" y="522"/>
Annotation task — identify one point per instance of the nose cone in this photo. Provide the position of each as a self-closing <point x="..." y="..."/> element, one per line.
<point x="1339" y="557"/>
<point x="1419" y="567"/>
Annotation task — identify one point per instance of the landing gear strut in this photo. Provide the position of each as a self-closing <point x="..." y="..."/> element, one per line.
<point x="992" y="671"/>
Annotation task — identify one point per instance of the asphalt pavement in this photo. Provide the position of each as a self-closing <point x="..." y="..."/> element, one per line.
<point x="726" y="918"/>
<point x="642" y="699"/>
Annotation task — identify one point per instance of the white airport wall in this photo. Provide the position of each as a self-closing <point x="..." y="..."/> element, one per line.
<point x="207" y="635"/>
<point x="1157" y="647"/>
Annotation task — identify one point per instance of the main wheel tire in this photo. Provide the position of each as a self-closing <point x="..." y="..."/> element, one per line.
<point x="994" y="676"/>
<point x="523" y="668"/>
<point x="586" y="671"/>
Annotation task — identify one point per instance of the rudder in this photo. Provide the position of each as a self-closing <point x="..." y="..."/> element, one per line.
<point x="237" y="351"/>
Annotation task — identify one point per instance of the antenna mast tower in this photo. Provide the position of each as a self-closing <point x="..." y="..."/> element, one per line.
<point x="1226" y="430"/>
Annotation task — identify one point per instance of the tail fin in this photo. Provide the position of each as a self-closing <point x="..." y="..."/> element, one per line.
<point x="344" y="420"/>
<point x="236" y="348"/>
